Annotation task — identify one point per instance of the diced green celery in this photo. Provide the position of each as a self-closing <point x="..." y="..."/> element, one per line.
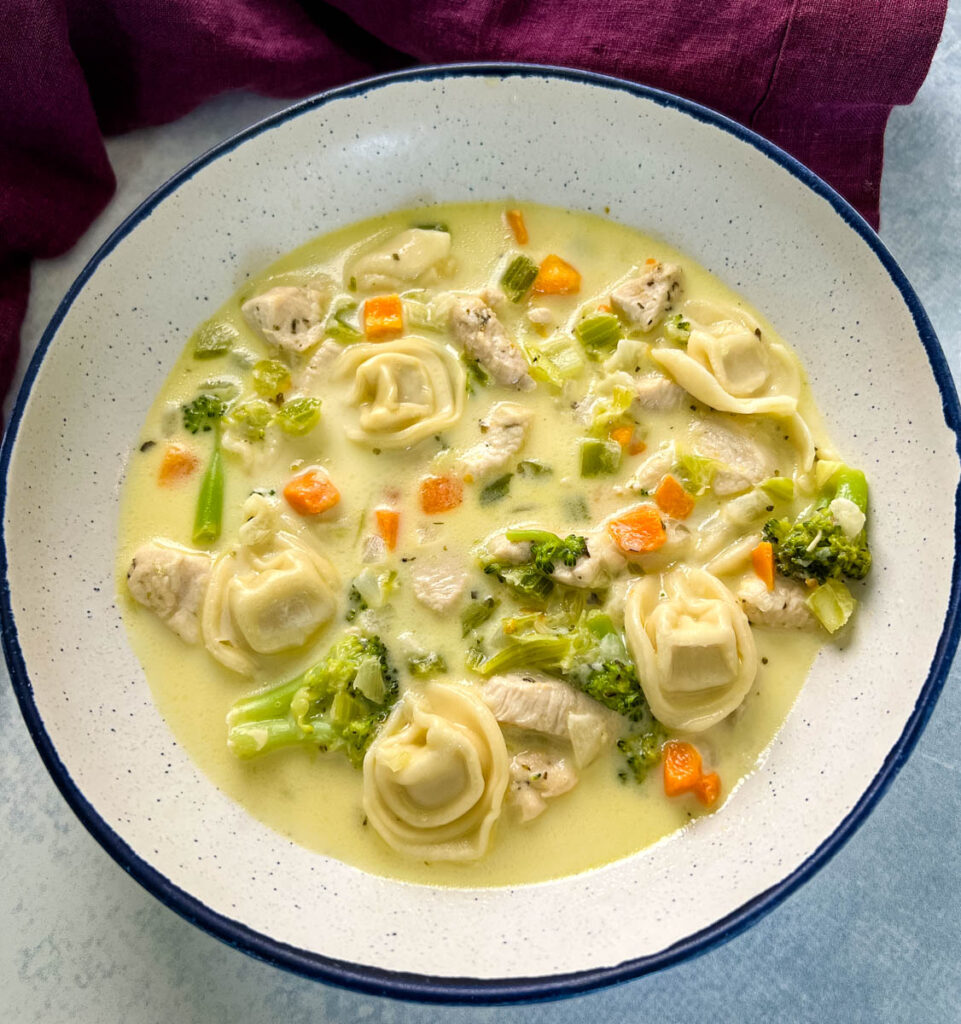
<point x="339" y="326"/>
<point x="214" y="338"/>
<point x="225" y="388"/>
<point x="599" y="458"/>
<point x="518" y="277"/>
<point x="426" y="664"/>
<point x="476" y="614"/>
<point x="370" y="680"/>
<point x="832" y="604"/>
<point x="527" y="652"/>
<point x="533" y="468"/>
<point x="609" y="411"/>
<point x="696" y="472"/>
<point x="419" y="315"/>
<point x="554" y="359"/>
<point x="271" y="377"/>
<point x="677" y="329"/>
<point x="476" y="377"/>
<point x="599" y="333"/>
<point x="496" y="490"/>
<point x="779" y="487"/>
<point x="250" y="420"/>
<point x="299" y="416"/>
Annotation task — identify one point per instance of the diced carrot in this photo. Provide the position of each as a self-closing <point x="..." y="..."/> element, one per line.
<point x="388" y="525"/>
<point x="515" y="221"/>
<point x="383" y="316"/>
<point x="636" y="447"/>
<point x="177" y="464"/>
<point x="708" y="789"/>
<point x="672" y="499"/>
<point x="682" y="768"/>
<point x="622" y="435"/>
<point x="311" y="493"/>
<point x="640" y="531"/>
<point x="604" y="307"/>
<point x="650" y="261"/>
<point x="556" y="277"/>
<point x="763" y="559"/>
<point x="440" y="493"/>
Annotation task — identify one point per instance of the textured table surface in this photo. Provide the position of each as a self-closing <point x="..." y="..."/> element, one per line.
<point x="874" y="936"/>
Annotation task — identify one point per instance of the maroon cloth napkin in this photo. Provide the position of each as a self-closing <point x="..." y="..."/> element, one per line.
<point x="818" y="77"/>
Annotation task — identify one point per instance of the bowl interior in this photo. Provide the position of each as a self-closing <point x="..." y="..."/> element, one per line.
<point x="461" y="135"/>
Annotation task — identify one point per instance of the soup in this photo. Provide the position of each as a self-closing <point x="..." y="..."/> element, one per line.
<point x="482" y="547"/>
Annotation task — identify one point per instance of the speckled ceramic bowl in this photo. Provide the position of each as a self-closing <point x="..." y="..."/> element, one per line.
<point x="746" y="211"/>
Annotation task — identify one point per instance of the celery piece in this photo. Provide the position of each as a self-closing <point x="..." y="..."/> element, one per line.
<point x="418" y="314"/>
<point x="538" y="651"/>
<point x="214" y="338"/>
<point x="533" y="468"/>
<point x="250" y="419"/>
<point x="518" y="277"/>
<point x="611" y="411"/>
<point x="599" y="458"/>
<point x="299" y="416"/>
<point x="677" y="329"/>
<point x="476" y="614"/>
<point x="779" y="487"/>
<point x="339" y="327"/>
<point x="476" y="376"/>
<point x="554" y="360"/>
<point x="832" y="604"/>
<point x="270" y="377"/>
<point x="225" y="388"/>
<point x="695" y="472"/>
<point x="426" y="664"/>
<point x="496" y="490"/>
<point x="210" y="500"/>
<point x="599" y="333"/>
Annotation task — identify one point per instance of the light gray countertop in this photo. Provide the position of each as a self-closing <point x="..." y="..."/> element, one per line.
<point x="874" y="936"/>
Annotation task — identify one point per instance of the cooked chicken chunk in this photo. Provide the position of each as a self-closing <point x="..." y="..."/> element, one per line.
<point x="657" y="393"/>
<point x="782" y="607"/>
<point x="475" y="326"/>
<point x="550" y="706"/>
<point x="505" y="429"/>
<point x="644" y="299"/>
<point x="649" y="473"/>
<point x="500" y="549"/>
<point x="536" y="777"/>
<point x="411" y="257"/>
<point x="291" y="319"/>
<point x="171" y="582"/>
<point x="439" y="580"/>
<point x="742" y="461"/>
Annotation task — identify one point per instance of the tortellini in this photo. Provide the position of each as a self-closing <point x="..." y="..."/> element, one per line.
<point x="732" y="368"/>
<point x="403" y="390"/>
<point x="270" y="595"/>
<point x="413" y="256"/>
<point x="436" y="776"/>
<point x="693" y="647"/>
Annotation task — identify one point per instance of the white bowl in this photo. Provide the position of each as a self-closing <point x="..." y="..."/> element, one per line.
<point x="728" y="199"/>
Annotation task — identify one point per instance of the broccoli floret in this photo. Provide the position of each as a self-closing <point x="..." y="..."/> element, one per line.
<point x="546" y="553"/>
<point x="532" y="579"/>
<point x="642" y="750"/>
<point x="203" y="413"/>
<point x="355" y="604"/>
<point x="526" y="580"/>
<point x="816" y="546"/>
<point x="615" y="685"/>
<point x="337" y="704"/>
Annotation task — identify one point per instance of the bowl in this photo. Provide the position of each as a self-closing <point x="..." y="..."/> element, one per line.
<point x="748" y="212"/>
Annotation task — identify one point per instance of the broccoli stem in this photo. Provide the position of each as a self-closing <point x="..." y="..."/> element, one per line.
<point x="210" y="500"/>
<point x="536" y="652"/>
<point x="544" y="536"/>
<point x="853" y="485"/>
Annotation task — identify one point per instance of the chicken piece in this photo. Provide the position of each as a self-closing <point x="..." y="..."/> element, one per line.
<point x="439" y="580"/>
<point x="783" y="607"/>
<point x="505" y="430"/>
<point x="604" y="560"/>
<point x="171" y="582"/>
<point x="730" y="522"/>
<point x="290" y="319"/>
<point x="475" y="326"/>
<point x="537" y="776"/>
<point x="743" y="462"/>
<point x="650" y="472"/>
<point x="543" y="704"/>
<point x="656" y="393"/>
<point x="319" y="370"/>
<point x="413" y="256"/>
<point x="500" y="549"/>
<point x="644" y="299"/>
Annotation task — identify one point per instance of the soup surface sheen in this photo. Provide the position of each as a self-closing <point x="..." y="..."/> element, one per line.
<point x="580" y="433"/>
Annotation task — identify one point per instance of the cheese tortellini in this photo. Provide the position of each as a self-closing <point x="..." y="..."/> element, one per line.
<point x="729" y="366"/>
<point x="403" y="391"/>
<point x="270" y="594"/>
<point x="693" y="647"/>
<point x="414" y="256"/>
<point x="436" y="776"/>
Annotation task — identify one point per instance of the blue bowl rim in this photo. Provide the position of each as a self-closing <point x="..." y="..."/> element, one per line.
<point x="427" y="988"/>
